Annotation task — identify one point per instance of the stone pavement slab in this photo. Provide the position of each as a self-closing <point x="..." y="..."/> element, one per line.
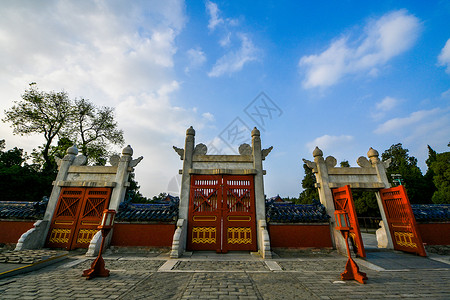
<point x="219" y="277"/>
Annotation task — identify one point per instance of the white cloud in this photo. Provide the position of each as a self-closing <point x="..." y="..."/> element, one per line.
<point x="234" y="61"/>
<point x="214" y="19"/>
<point x="208" y="116"/>
<point x="444" y="56"/>
<point x="114" y="53"/>
<point x="196" y="58"/>
<point x="446" y="94"/>
<point x="397" y="124"/>
<point x="385" y="38"/>
<point x="331" y="143"/>
<point x="384" y="106"/>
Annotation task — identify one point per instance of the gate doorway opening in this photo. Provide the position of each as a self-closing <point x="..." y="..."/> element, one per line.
<point x="78" y="213"/>
<point x="222" y="213"/>
<point x="399" y="216"/>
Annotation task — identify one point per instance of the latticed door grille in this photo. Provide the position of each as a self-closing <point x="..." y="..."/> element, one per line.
<point x="78" y="214"/>
<point x="222" y="213"/>
<point x="401" y="222"/>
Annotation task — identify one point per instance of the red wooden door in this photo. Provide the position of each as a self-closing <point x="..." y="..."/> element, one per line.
<point x="205" y="213"/>
<point x="401" y="221"/>
<point x="95" y="201"/>
<point x="221" y="213"/>
<point x="77" y="215"/>
<point x="343" y="200"/>
<point x="239" y="214"/>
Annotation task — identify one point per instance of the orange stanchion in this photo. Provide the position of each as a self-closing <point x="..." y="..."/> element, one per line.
<point x="352" y="271"/>
<point x="98" y="265"/>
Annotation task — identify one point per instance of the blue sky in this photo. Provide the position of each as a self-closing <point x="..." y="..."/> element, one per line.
<point x="342" y="75"/>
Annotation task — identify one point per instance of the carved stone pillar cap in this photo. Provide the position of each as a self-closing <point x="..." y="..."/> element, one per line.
<point x="255" y="132"/>
<point x="190" y="131"/>
<point x="372" y="152"/>
<point x="127" y="150"/>
<point x="317" y="152"/>
<point x="72" y="150"/>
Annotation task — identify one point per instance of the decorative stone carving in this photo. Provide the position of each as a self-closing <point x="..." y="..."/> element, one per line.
<point x="200" y="149"/>
<point x="372" y="153"/>
<point x="72" y="150"/>
<point x="127" y="150"/>
<point x="80" y="160"/>
<point x="245" y="149"/>
<point x="363" y="162"/>
<point x="133" y="163"/>
<point x="387" y="163"/>
<point x="114" y="160"/>
<point x="330" y="161"/>
<point x="309" y="164"/>
<point x="266" y="152"/>
<point x="179" y="151"/>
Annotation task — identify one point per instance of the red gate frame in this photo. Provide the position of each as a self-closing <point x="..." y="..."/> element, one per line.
<point x="343" y="200"/>
<point x="209" y="229"/>
<point x="76" y="217"/>
<point x="401" y="221"/>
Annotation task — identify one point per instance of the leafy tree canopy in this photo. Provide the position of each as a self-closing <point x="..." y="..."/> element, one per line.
<point x="441" y="178"/>
<point x="66" y="121"/>
<point x="406" y="166"/>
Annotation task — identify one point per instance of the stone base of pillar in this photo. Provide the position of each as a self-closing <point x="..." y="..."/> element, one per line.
<point x="33" y="238"/>
<point x="178" y="242"/>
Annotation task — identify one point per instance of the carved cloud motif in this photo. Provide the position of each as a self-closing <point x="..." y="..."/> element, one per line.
<point x="265" y="152"/>
<point x="179" y="151"/>
<point x="363" y="162"/>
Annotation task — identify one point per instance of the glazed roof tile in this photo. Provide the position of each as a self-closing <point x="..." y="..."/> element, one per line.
<point x="167" y="212"/>
<point x="22" y="210"/>
<point x="431" y="212"/>
<point x="296" y="213"/>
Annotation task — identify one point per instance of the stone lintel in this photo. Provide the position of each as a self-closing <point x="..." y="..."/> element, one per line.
<point x="222" y="171"/>
<point x="93" y="169"/>
<point x="223" y="158"/>
<point x="85" y="183"/>
<point x="252" y="170"/>
<point x="352" y="171"/>
<point x="358" y="185"/>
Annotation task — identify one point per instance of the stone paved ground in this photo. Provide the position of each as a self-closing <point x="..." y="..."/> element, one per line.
<point x="297" y="278"/>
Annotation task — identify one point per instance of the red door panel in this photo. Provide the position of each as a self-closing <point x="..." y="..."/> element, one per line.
<point x="221" y="213"/>
<point x="343" y="200"/>
<point x="77" y="216"/>
<point x="401" y="222"/>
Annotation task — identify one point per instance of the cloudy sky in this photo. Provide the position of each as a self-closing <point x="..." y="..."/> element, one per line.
<point x="342" y="75"/>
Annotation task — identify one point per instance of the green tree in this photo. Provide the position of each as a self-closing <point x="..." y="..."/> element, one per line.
<point x="95" y="129"/>
<point x="60" y="119"/>
<point x="441" y="179"/>
<point x="309" y="189"/>
<point x="133" y="192"/>
<point x="40" y="112"/>
<point x="345" y="164"/>
<point x="406" y="166"/>
<point x="16" y="174"/>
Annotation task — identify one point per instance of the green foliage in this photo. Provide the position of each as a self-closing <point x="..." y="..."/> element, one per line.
<point x="40" y="112"/>
<point x="345" y="164"/>
<point x="310" y="191"/>
<point x="441" y="178"/>
<point x="70" y="122"/>
<point x="406" y="166"/>
<point x="365" y="203"/>
<point x="95" y="128"/>
<point x="20" y="181"/>
<point x="133" y="191"/>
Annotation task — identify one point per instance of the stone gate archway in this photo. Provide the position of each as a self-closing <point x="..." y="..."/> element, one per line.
<point x="248" y="164"/>
<point x="370" y="175"/>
